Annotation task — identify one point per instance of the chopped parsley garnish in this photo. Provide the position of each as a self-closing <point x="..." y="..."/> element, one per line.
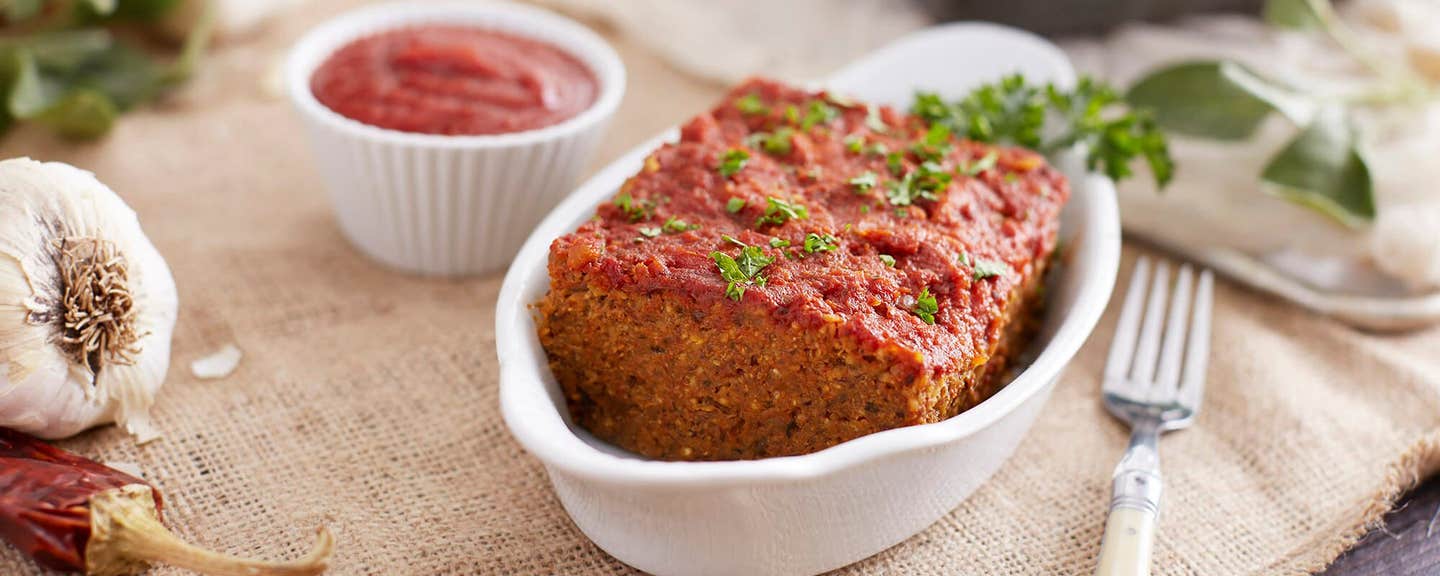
<point x="649" y="231"/>
<point x="776" y="143"/>
<point x="635" y="210"/>
<point x="733" y="240"/>
<point x="930" y="107"/>
<point x="873" y="121"/>
<point x="818" y="113"/>
<point x="779" y="242"/>
<point x="742" y="271"/>
<point x="855" y="144"/>
<point x="925" y="306"/>
<point x="888" y="260"/>
<point x="864" y="208"/>
<point x="864" y="182"/>
<point x="675" y="225"/>
<point x="778" y="212"/>
<point x="981" y="165"/>
<point x="877" y="149"/>
<point x="989" y="269"/>
<point x="895" y="162"/>
<point x="792" y="114"/>
<point x="732" y="161"/>
<point x="984" y="268"/>
<point x="919" y="184"/>
<point x="935" y="145"/>
<point x="820" y="243"/>
<point x="735" y="205"/>
<point x="930" y="177"/>
<point x="750" y="105"/>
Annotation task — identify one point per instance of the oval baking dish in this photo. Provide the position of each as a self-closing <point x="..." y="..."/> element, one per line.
<point x="815" y="512"/>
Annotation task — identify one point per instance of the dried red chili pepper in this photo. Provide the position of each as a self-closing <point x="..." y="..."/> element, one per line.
<point x="70" y="513"/>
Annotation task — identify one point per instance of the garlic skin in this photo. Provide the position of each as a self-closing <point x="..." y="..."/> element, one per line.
<point x="66" y="238"/>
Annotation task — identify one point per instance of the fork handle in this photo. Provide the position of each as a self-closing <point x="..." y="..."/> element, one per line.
<point x="1129" y="536"/>
<point x="1134" y="506"/>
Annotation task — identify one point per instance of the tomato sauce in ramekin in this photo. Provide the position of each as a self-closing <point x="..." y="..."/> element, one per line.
<point x="454" y="80"/>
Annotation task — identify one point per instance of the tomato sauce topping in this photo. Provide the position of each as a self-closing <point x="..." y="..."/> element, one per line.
<point x="851" y="213"/>
<point x="454" y="80"/>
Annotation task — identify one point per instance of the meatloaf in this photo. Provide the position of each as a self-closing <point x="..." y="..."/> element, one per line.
<point x="796" y="271"/>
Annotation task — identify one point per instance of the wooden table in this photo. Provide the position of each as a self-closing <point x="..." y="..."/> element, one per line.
<point x="1408" y="544"/>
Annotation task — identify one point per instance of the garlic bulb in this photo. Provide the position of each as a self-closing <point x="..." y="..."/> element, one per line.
<point x="87" y="305"/>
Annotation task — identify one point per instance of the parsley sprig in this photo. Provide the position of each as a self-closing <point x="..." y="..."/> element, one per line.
<point x="926" y="307"/>
<point x="635" y="210"/>
<point x="778" y="212"/>
<point x="820" y="243"/>
<point x="1049" y="119"/>
<point x="982" y="269"/>
<point x="743" y="270"/>
<point x="732" y="161"/>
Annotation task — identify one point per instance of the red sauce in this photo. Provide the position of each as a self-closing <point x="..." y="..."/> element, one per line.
<point x="454" y="80"/>
<point x="1008" y="214"/>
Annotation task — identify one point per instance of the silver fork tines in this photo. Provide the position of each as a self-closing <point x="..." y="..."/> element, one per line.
<point x="1154" y="374"/>
<point x="1154" y="381"/>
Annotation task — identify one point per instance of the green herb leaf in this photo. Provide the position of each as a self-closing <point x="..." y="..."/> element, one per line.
<point x="818" y="113"/>
<point x="925" y="306"/>
<point x="752" y="260"/>
<point x="635" y="210"/>
<point x="776" y="143"/>
<point x="650" y="231"/>
<point x="855" y="144"/>
<point x="730" y="272"/>
<point x="735" y="205"/>
<point x="984" y="163"/>
<point x="874" y="121"/>
<point x="675" y="225"/>
<point x="750" y="105"/>
<point x="779" y="243"/>
<point x="778" y="212"/>
<point x="895" y="162"/>
<point x="888" y="260"/>
<point x="1215" y="99"/>
<point x="20" y="10"/>
<point x="733" y="240"/>
<point x="820" y="243"/>
<point x="1015" y="112"/>
<point x="1292" y="14"/>
<point x="1322" y="169"/>
<point x="864" y="182"/>
<point x="984" y="268"/>
<point x="732" y="161"/>
<point x="82" y="114"/>
<point x="931" y="177"/>
<point x="935" y="145"/>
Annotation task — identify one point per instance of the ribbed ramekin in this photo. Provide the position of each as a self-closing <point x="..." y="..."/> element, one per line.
<point x="449" y="205"/>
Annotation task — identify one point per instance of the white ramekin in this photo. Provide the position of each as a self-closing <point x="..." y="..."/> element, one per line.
<point x="449" y="205"/>
<point x="816" y="512"/>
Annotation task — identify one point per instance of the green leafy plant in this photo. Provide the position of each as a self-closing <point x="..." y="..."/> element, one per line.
<point x="1323" y="167"/>
<point x="63" y="66"/>
<point x="1048" y="119"/>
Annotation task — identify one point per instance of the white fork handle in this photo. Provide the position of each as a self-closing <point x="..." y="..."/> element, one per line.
<point x="1134" y="505"/>
<point x="1129" y="537"/>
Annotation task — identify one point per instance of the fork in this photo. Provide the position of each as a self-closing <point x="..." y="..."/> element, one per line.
<point x="1155" y="385"/>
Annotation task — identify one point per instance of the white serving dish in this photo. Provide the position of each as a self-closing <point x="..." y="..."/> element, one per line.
<point x="816" y="512"/>
<point x="449" y="205"/>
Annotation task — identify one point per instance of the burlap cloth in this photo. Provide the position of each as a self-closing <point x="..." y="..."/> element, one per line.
<point x="367" y="400"/>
